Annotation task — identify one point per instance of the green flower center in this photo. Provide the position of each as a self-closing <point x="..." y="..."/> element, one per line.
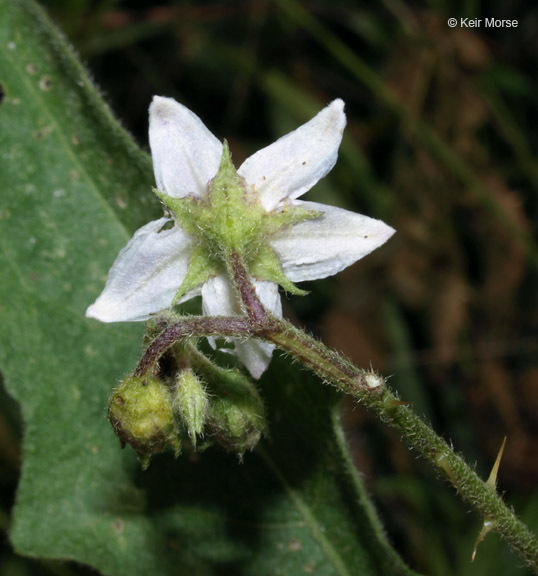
<point x="230" y="219"/>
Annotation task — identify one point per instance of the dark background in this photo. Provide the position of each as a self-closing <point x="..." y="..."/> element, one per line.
<point x="440" y="144"/>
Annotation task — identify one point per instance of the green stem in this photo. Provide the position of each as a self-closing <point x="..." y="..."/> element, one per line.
<point x="367" y="387"/>
<point x="418" y="435"/>
<point x="370" y="389"/>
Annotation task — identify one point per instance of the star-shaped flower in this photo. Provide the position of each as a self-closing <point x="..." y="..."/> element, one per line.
<point x="213" y="210"/>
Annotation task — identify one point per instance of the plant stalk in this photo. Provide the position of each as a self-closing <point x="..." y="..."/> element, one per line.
<point x="367" y="387"/>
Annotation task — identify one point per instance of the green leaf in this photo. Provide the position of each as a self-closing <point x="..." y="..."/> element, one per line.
<point x="74" y="187"/>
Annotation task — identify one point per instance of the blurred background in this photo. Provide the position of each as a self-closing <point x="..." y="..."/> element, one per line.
<point x="441" y="144"/>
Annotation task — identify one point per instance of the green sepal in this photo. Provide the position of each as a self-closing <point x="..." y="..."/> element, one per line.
<point x="267" y="267"/>
<point x="200" y="270"/>
<point x="186" y="210"/>
<point x="231" y="219"/>
<point x="288" y="216"/>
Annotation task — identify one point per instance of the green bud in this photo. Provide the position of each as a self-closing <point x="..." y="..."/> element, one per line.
<point x="140" y="411"/>
<point x="236" y="417"/>
<point x="191" y="403"/>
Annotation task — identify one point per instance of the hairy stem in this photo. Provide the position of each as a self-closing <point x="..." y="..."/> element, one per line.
<point x="367" y="387"/>
<point x="191" y="327"/>
<point x="370" y="390"/>
<point x="253" y="307"/>
<point x="417" y="434"/>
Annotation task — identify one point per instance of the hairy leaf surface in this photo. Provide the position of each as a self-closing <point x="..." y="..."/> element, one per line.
<point x="74" y="187"/>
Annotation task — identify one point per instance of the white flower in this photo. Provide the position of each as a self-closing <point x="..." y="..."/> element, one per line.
<point x="149" y="271"/>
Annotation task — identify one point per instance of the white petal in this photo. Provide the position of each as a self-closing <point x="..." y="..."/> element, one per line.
<point x="268" y="294"/>
<point x="145" y="276"/>
<point x="185" y="153"/>
<point x="293" y="164"/>
<point x="324" y="246"/>
<point x="255" y="355"/>
<point x="218" y="299"/>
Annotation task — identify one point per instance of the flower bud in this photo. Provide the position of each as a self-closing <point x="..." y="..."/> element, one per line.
<point x="236" y="417"/>
<point x="140" y="411"/>
<point x="191" y="403"/>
